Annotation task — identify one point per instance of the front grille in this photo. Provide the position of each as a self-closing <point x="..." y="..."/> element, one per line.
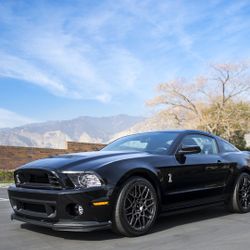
<point x="34" y="208"/>
<point x="37" y="178"/>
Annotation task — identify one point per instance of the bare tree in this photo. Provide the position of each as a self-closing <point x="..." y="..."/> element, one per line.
<point x="209" y="102"/>
<point x="232" y="79"/>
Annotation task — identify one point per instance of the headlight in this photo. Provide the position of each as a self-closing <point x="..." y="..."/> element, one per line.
<point x="84" y="179"/>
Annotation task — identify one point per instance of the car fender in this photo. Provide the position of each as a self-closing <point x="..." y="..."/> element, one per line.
<point x="125" y="171"/>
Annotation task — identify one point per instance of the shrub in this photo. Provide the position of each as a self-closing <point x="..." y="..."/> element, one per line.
<point x="6" y="176"/>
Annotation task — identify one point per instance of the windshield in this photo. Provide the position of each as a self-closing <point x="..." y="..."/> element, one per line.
<point x="152" y="142"/>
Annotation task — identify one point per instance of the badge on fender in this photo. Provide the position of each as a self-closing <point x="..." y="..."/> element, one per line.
<point x="170" y="178"/>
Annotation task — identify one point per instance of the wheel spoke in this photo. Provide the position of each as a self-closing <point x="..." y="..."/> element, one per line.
<point x="147" y="216"/>
<point x="132" y="220"/>
<point x="139" y="221"/>
<point x="135" y="221"/>
<point x="143" y="219"/>
<point x="144" y="190"/>
<point x="147" y="193"/>
<point x="245" y="204"/>
<point x="244" y="181"/>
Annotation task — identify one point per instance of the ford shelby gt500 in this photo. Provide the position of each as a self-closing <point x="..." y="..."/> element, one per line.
<point x="128" y="183"/>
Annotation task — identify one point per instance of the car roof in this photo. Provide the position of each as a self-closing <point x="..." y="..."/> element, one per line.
<point x="181" y="131"/>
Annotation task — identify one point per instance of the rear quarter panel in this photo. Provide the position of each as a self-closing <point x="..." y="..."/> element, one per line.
<point x="241" y="163"/>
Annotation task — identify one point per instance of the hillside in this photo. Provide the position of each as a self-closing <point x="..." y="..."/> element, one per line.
<point x="54" y="134"/>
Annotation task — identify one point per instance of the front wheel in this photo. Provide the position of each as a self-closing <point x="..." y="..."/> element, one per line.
<point x="136" y="207"/>
<point x="240" y="200"/>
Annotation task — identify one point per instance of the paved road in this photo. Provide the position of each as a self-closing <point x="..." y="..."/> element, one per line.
<point x="207" y="229"/>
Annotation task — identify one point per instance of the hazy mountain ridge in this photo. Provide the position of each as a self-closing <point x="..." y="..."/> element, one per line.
<point x="159" y="121"/>
<point x="54" y="134"/>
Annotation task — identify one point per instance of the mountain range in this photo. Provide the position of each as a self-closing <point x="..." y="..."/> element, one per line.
<point x="54" y="134"/>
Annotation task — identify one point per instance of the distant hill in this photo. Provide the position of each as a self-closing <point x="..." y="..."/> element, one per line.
<point x="54" y="134"/>
<point x="159" y="121"/>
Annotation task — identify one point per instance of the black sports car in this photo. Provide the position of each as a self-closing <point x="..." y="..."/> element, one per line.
<point x="129" y="182"/>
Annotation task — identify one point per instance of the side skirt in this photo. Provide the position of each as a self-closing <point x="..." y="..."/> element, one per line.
<point x="190" y="209"/>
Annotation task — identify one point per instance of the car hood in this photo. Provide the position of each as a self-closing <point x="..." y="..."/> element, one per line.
<point x="83" y="161"/>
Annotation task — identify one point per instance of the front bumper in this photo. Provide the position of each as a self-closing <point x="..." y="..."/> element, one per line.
<point x="78" y="226"/>
<point x="55" y="208"/>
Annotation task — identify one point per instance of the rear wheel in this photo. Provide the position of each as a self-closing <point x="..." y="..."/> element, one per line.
<point x="136" y="207"/>
<point x="240" y="200"/>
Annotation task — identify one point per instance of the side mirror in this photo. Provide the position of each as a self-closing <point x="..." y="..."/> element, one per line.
<point x="189" y="149"/>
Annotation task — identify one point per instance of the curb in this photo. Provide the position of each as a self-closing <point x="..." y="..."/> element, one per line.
<point x="5" y="185"/>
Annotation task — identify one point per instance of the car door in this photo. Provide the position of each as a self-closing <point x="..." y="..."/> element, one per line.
<point x="197" y="178"/>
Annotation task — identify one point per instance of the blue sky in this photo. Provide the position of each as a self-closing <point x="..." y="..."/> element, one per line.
<point x="67" y="58"/>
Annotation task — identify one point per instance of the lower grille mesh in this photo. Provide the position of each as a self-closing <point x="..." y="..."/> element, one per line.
<point x="34" y="207"/>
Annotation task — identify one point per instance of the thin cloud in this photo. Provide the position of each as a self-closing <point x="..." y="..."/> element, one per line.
<point x="10" y="119"/>
<point x="17" y="68"/>
<point x="104" y="98"/>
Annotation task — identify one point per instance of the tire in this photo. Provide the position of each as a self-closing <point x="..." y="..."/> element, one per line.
<point x="136" y="208"/>
<point x="240" y="199"/>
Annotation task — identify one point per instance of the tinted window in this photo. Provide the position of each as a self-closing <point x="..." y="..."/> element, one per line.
<point x="155" y="142"/>
<point x="206" y="143"/>
<point x="228" y="147"/>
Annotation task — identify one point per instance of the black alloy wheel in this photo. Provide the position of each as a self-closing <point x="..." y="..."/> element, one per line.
<point x="244" y="192"/>
<point x="240" y="201"/>
<point x="136" y="208"/>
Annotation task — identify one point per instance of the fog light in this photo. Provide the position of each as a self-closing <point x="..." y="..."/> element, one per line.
<point x="79" y="209"/>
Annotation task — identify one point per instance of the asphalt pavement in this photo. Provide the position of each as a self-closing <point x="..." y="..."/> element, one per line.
<point x="212" y="229"/>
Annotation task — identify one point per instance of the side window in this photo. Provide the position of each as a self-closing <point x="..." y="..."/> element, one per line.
<point x="227" y="147"/>
<point x="136" y="145"/>
<point x="207" y="144"/>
